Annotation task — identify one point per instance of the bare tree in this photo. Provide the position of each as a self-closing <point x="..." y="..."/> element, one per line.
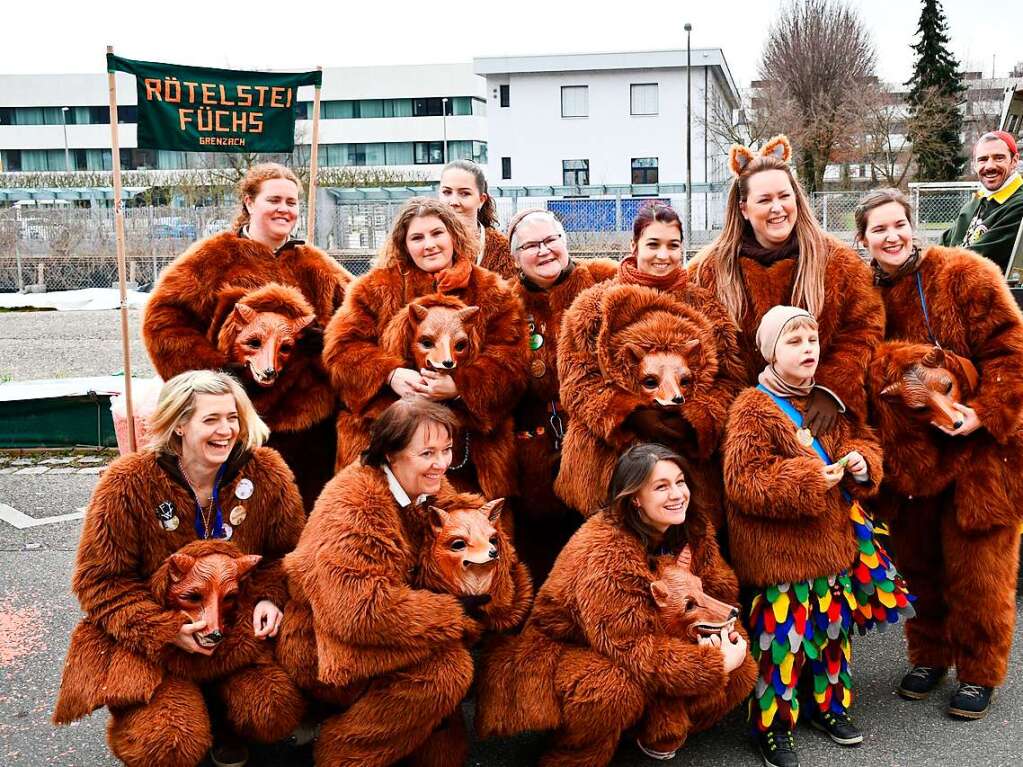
<point x="880" y="138"/>
<point x="817" y="57"/>
<point x="746" y="125"/>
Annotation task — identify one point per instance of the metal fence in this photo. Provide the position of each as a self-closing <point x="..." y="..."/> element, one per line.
<point x="71" y="248"/>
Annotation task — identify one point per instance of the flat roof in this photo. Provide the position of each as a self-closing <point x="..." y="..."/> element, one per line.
<point x="606" y="61"/>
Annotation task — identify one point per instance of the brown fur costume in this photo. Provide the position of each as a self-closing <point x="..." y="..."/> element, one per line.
<point x="593" y="657"/>
<point x="850" y="324"/>
<point x="360" y="634"/>
<point x="359" y="363"/>
<point x="158" y="716"/>
<point x="598" y="386"/>
<point x="300" y="406"/>
<point x="545" y="523"/>
<point x="784" y="524"/>
<point x="497" y="255"/>
<point x="956" y="502"/>
<point x="186" y="312"/>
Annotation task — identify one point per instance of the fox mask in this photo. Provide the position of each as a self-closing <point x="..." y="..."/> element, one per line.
<point x="685" y="609"/>
<point x="205" y="587"/>
<point x="444" y="337"/>
<point x="264" y="341"/>
<point x="462" y="557"/>
<point x="931" y="385"/>
<point x="664" y="376"/>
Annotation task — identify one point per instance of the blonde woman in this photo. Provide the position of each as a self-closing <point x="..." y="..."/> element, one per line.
<point x="773" y="252"/>
<point x="204" y="475"/>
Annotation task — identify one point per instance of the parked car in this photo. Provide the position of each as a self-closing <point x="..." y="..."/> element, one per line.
<point x="174" y="227"/>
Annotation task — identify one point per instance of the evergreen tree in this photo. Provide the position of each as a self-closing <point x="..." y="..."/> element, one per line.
<point x="936" y="93"/>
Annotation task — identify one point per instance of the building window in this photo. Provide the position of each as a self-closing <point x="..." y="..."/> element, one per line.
<point x="644" y="170"/>
<point x="505" y="168"/>
<point x="575" y="101"/>
<point x="644" y="99"/>
<point x="431" y="107"/>
<point x="429" y="153"/>
<point x="479" y="107"/>
<point x="506" y="95"/>
<point x="575" y="172"/>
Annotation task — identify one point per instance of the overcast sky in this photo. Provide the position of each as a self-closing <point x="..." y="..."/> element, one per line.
<point x="71" y="35"/>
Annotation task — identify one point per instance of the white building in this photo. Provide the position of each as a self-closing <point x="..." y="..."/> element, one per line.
<point x="604" y="118"/>
<point x="389" y="117"/>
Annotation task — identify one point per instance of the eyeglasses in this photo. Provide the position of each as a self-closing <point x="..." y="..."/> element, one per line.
<point x="534" y="247"/>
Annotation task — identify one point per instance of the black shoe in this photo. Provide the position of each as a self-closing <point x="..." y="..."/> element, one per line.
<point x="778" y="748"/>
<point x="921" y="681"/>
<point x="971" y="701"/>
<point x="839" y="727"/>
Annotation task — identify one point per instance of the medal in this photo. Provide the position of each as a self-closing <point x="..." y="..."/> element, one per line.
<point x="167" y="515"/>
<point x="535" y="341"/>
<point x="804" y="437"/>
<point x="237" y="515"/>
<point x="538" y="368"/>
<point x="244" y="489"/>
<point x="228" y="532"/>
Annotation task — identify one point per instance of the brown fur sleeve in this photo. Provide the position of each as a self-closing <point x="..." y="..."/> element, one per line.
<point x="111" y="589"/>
<point x="512" y="599"/>
<point x="283" y="504"/>
<point x="761" y="477"/>
<point x="618" y="619"/>
<point x="707" y="411"/>
<point x="864" y="442"/>
<point x="718" y="579"/>
<point x="492" y="384"/>
<point x="352" y="355"/>
<point x="586" y="394"/>
<point x="994" y="329"/>
<point x="177" y="318"/>
<point x="497" y="256"/>
<point x="600" y="269"/>
<point x="860" y="327"/>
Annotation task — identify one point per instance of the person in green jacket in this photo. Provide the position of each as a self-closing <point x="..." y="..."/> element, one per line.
<point x="989" y="223"/>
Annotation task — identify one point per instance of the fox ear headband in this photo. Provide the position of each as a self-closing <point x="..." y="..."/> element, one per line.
<point x="740" y="156"/>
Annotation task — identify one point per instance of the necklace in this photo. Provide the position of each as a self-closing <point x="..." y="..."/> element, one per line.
<point x="207" y="513"/>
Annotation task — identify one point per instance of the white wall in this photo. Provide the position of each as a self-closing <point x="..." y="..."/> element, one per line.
<point x="534" y="134"/>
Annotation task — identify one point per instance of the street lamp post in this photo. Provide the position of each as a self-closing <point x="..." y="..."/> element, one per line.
<point x="444" y="117"/>
<point x="689" y="134"/>
<point x="67" y="152"/>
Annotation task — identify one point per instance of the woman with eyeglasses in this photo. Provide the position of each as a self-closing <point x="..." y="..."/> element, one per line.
<point x="548" y="281"/>
<point x="370" y="345"/>
<point x="604" y="418"/>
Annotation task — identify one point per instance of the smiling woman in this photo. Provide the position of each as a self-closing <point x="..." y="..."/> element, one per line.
<point x="428" y="253"/>
<point x="197" y="296"/>
<point x="204" y="476"/>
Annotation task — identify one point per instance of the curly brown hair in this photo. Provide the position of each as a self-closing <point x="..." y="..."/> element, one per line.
<point x="253" y="182"/>
<point x="395" y="251"/>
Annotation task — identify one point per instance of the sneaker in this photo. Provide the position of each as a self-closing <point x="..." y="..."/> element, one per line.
<point x="778" y="748"/>
<point x="971" y="701"/>
<point x="839" y="727"/>
<point x="229" y="755"/>
<point x="921" y="681"/>
<point x="662" y="756"/>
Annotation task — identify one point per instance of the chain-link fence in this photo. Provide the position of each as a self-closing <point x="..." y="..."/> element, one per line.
<point x="69" y="248"/>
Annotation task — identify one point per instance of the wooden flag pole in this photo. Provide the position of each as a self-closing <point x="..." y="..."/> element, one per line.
<point x="121" y="268"/>
<point x="313" y="165"/>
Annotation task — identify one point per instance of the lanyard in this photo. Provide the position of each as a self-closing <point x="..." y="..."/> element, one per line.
<point x="923" y="305"/>
<point x="218" y="521"/>
<point x="788" y="409"/>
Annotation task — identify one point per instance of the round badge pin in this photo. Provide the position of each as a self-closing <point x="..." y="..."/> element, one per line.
<point x="805" y="437"/>
<point x="237" y="515"/>
<point x="228" y="532"/>
<point x="171" y="524"/>
<point x="535" y="341"/>
<point x="538" y="368"/>
<point x="244" y="489"/>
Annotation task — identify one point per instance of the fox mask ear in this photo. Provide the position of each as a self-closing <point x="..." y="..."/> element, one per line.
<point x="779" y="147"/>
<point x="417" y="313"/>
<point x="659" y="591"/>
<point x="739" y="157"/>
<point x="245" y="313"/>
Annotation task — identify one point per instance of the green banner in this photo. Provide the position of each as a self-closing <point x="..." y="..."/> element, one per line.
<point x="199" y="109"/>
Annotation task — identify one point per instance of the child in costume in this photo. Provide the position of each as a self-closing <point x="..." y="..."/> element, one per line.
<point x="799" y="537"/>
